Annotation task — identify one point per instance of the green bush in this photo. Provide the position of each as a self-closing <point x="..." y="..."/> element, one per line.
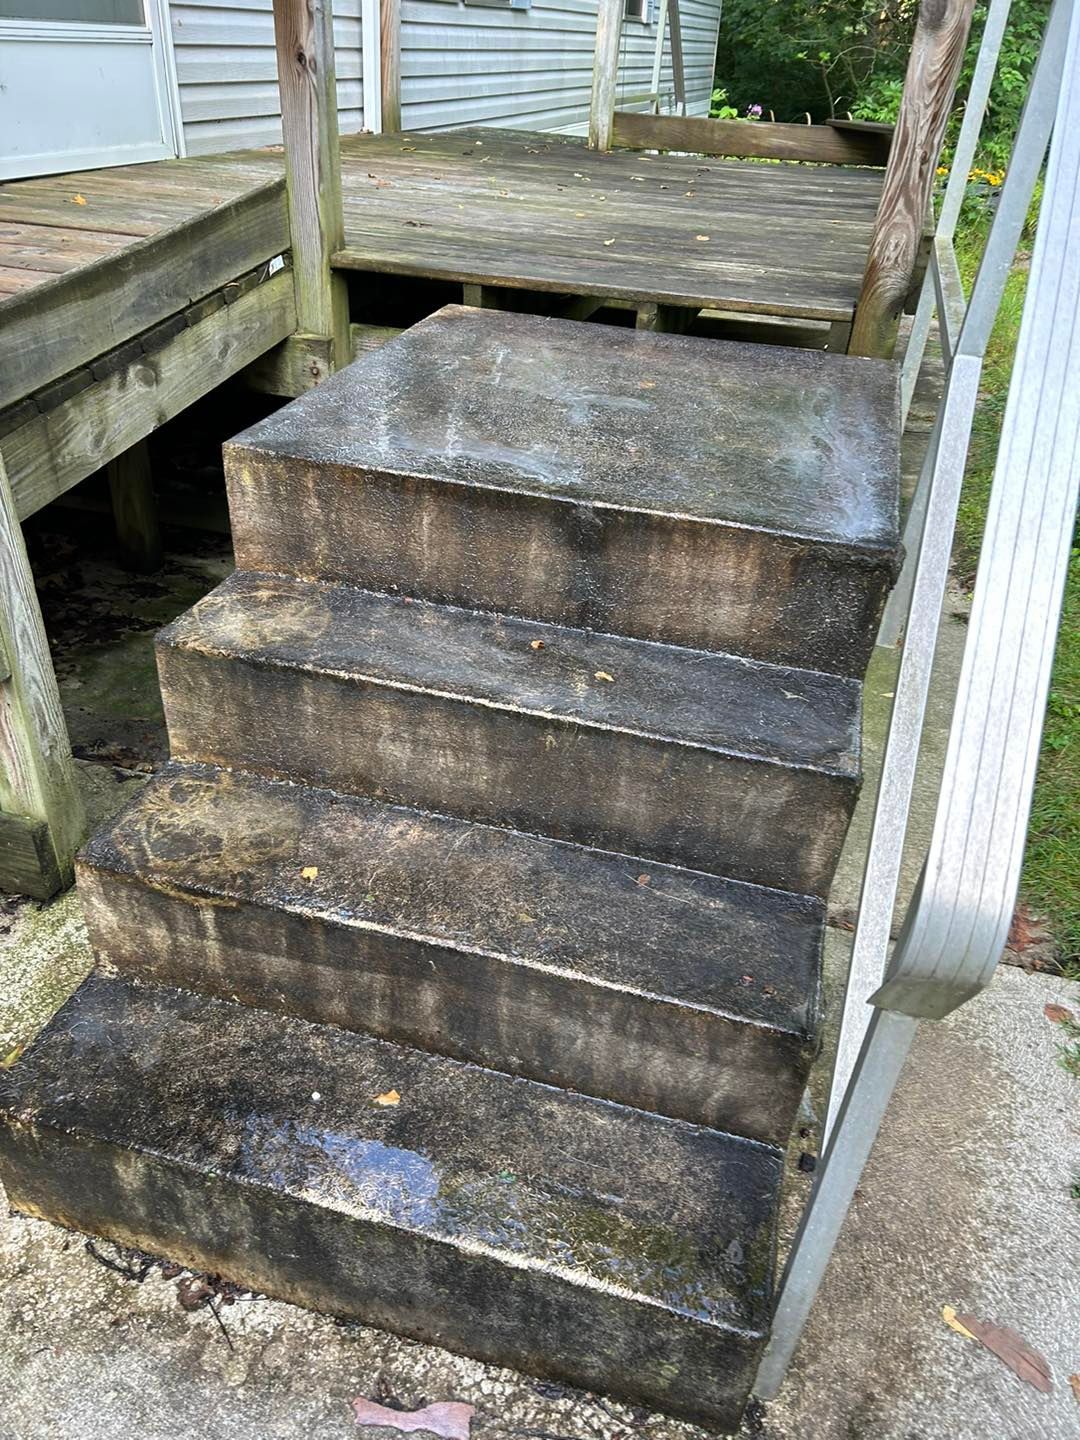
<point x="838" y="57"/>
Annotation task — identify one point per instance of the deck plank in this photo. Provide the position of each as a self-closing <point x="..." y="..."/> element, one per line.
<point x="543" y="212"/>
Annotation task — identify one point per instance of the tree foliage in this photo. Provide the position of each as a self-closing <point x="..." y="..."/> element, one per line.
<point x="827" y="58"/>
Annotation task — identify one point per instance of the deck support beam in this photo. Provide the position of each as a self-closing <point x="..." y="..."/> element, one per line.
<point x="131" y="489"/>
<point x="605" y="73"/>
<point x="42" y="819"/>
<point x="937" y="53"/>
<point x="304" y="36"/>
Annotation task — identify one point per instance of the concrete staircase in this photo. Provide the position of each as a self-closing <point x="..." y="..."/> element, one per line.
<point x="461" y="971"/>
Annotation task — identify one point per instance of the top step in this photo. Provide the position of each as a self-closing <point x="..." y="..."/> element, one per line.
<point x="728" y="497"/>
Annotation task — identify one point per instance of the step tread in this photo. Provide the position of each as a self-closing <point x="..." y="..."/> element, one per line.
<point x="721" y="703"/>
<point x="603" y="1197"/>
<point x="731" y="948"/>
<point x="797" y="441"/>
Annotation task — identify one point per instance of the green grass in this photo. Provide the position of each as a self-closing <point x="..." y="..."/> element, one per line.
<point x="1051" y="878"/>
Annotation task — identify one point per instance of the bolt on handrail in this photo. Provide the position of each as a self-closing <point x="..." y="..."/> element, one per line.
<point x="957" y="922"/>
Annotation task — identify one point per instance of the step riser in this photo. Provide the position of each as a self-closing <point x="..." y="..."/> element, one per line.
<point x="710" y="586"/>
<point x="768" y="823"/>
<point x="611" y="1043"/>
<point x="380" y="1276"/>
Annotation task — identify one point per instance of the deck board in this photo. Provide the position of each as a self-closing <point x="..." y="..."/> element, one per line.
<point x="481" y="206"/>
<point x="543" y="212"/>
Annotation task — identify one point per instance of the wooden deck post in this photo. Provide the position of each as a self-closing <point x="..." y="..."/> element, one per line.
<point x="937" y="53"/>
<point x="390" y="63"/>
<point x="42" y="820"/>
<point x="131" y="488"/>
<point x="605" y="73"/>
<point x="304" y="35"/>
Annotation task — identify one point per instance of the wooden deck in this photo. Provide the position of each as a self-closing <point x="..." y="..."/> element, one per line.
<point x="542" y="212"/>
<point x="489" y="207"/>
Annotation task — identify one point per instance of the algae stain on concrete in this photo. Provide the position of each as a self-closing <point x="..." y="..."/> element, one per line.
<point x="43" y="959"/>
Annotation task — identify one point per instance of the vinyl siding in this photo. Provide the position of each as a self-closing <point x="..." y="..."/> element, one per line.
<point x="461" y="65"/>
<point x="532" y="69"/>
<point x="227" y="72"/>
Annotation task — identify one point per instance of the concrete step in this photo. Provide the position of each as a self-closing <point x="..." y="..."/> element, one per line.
<point x="709" y="761"/>
<point x="724" y="496"/>
<point x="660" y="988"/>
<point x="524" y="1225"/>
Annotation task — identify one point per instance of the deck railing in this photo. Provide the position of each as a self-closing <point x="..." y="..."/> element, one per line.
<point x="957" y="922"/>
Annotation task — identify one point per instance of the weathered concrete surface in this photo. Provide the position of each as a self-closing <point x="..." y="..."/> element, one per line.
<point x="674" y="991"/>
<point x="699" y="492"/>
<point x="711" y="761"/>
<point x="581" y="1240"/>
<point x="965" y="1202"/>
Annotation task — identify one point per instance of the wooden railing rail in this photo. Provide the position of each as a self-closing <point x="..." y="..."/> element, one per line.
<point x="822" y="144"/>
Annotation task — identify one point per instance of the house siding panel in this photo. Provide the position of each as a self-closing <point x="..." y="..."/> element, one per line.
<point x="461" y="65"/>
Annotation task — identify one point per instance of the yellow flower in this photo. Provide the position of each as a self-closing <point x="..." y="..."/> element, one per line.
<point x="942" y="169"/>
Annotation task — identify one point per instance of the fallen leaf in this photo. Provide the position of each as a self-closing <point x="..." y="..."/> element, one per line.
<point x="78" y="199"/>
<point x="603" y="675"/>
<point x="646" y="384"/>
<point x="1074" y="1383"/>
<point x="643" y="879"/>
<point x="579" y="214"/>
<point x="1058" y="1014"/>
<point x="388" y="1097"/>
<point x="449" y="1419"/>
<point x="193" y="1292"/>
<point x="1025" y="930"/>
<point x="536" y="644"/>
<point x="701" y="237"/>
<point x="309" y="872"/>
<point x="611" y="241"/>
<point x="1012" y="1350"/>
<point x="948" y="1314"/>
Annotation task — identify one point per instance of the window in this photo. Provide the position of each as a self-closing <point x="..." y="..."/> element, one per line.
<point x="638" y="10"/>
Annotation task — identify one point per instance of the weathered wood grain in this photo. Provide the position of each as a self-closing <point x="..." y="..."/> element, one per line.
<point x="544" y="213"/>
<point x="678" y="69"/>
<point x="821" y="144"/>
<point x="72" y="318"/>
<point x="937" y="53"/>
<point x="304" y="36"/>
<point x="609" y="20"/>
<point x="37" y="774"/>
<point x="27" y="859"/>
<point x="52" y="452"/>
<point x="390" y="63"/>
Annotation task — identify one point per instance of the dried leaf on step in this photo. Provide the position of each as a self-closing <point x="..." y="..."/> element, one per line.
<point x="388" y="1097"/>
<point x="78" y="199"/>
<point x="603" y="675"/>
<point x="1074" y="1385"/>
<point x="309" y="872"/>
<point x="948" y="1314"/>
<point x="448" y="1418"/>
<point x="1012" y="1350"/>
<point x="1058" y="1014"/>
<point x="643" y="879"/>
<point x="536" y="644"/>
<point x="701" y="237"/>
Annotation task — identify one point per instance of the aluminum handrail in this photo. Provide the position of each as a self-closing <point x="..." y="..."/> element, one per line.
<point x="957" y="921"/>
<point x="920" y="589"/>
